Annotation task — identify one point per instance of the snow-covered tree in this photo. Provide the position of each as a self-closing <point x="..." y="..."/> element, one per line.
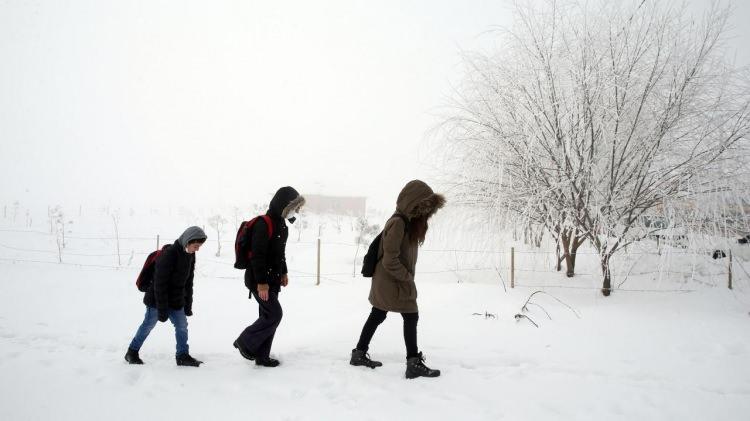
<point x="57" y="227"/>
<point x="591" y="115"/>
<point x="301" y="224"/>
<point x="57" y="224"/>
<point x="16" y="207"/>
<point x="116" y="223"/>
<point x="217" y="222"/>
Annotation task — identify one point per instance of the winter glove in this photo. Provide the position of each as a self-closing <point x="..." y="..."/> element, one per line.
<point x="188" y="312"/>
<point x="163" y="315"/>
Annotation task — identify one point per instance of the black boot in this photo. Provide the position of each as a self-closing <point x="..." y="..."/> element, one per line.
<point x="243" y="351"/>
<point x="187" y="360"/>
<point x="267" y="362"/>
<point x="132" y="357"/>
<point x="415" y="368"/>
<point x="362" y="358"/>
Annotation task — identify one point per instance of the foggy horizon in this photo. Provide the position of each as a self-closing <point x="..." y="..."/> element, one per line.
<point x="152" y="104"/>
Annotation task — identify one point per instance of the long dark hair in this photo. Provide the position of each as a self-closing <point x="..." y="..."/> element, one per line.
<point x="418" y="229"/>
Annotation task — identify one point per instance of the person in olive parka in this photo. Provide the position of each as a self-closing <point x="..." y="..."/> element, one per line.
<point x="266" y="274"/>
<point x="393" y="287"/>
<point x="170" y="296"/>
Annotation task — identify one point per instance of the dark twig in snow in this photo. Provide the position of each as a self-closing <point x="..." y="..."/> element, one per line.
<point x="525" y="308"/>
<point x="501" y="278"/>
<point x="523" y="316"/>
<point x="545" y="311"/>
<point x="627" y="274"/>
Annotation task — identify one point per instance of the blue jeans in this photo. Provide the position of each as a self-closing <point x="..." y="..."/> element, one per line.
<point x="178" y="319"/>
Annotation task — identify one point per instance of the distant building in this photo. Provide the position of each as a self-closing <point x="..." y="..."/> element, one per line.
<point x="337" y="205"/>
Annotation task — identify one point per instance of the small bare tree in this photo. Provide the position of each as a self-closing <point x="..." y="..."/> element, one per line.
<point x="116" y="221"/>
<point x="237" y="217"/>
<point x="57" y="226"/>
<point x="217" y="223"/>
<point x="57" y="223"/>
<point x="259" y="208"/>
<point x="301" y="224"/>
<point x="16" y="206"/>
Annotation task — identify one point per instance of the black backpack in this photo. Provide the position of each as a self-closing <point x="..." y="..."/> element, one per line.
<point x="242" y="252"/>
<point x="371" y="257"/>
<point x="146" y="277"/>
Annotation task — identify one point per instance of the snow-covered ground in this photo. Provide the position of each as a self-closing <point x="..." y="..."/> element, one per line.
<point x="633" y="356"/>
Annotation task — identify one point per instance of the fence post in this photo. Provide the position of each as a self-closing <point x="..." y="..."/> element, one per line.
<point x="157" y="241"/>
<point x="730" y="269"/>
<point x="512" y="267"/>
<point x="317" y="282"/>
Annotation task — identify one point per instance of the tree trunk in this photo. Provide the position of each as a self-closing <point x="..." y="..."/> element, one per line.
<point x="565" y="239"/>
<point x="538" y="238"/>
<point x="570" y="241"/>
<point x="527" y="234"/>
<point x="570" y="263"/>
<point x="356" y="253"/>
<point x="218" y="243"/>
<point x="607" y="286"/>
<point x="572" y="254"/>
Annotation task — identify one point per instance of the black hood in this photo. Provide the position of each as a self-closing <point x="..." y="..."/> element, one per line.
<point x="281" y="200"/>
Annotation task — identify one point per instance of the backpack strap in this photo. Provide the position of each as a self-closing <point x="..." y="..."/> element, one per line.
<point x="269" y="225"/>
<point x="161" y="250"/>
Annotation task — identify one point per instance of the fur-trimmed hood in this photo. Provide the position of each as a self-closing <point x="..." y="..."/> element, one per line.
<point x="284" y="201"/>
<point x="418" y="199"/>
<point x="293" y="206"/>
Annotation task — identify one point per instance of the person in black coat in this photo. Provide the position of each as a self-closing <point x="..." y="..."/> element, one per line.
<point x="266" y="275"/>
<point x="170" y="296"/>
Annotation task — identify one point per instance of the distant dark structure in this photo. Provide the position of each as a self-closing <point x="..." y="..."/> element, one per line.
<point x="336" y="205"/>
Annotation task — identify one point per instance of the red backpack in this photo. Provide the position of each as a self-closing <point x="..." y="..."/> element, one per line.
<point x="146" y="277"/>
<point x="242" y="252"/>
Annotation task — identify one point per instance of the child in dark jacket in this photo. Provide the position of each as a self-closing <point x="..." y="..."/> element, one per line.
<point x="267" y="274"/>
<point x="170" y="296"/>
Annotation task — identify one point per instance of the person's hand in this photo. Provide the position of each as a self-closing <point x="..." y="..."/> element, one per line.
<point x="263" y="292"/>
<point x="188" y="312"/>
<point x="284" y="280"/>
<point x="163" y="315"/>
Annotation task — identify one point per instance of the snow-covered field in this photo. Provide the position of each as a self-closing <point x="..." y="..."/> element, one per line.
<point x="633" y="356"/>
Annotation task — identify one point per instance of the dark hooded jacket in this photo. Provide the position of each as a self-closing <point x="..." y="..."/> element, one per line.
<point x="173" y="275"/>
<point x="268" y="261"/>
<point x="393" y="287"/>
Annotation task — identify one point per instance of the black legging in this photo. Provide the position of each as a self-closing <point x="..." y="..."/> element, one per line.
<point x="376" y="318"/>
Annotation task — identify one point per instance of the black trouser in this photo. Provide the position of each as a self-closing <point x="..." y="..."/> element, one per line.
<point x="376" y="318"/>
<point x="258" y="337"/>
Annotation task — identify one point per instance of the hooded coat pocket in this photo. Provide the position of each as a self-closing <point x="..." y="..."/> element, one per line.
<point x="406" y="291"/>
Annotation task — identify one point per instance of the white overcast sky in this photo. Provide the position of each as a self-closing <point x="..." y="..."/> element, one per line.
<point x="152" y="102"/>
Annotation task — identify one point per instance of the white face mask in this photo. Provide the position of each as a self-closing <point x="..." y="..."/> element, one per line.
<point x="292" y="214"/>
